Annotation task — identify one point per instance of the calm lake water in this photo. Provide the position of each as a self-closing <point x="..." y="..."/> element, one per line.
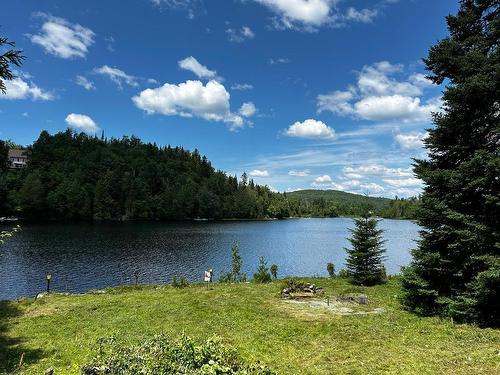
<point x="88" y="256"/>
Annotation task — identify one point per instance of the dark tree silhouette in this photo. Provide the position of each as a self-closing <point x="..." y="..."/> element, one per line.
<point x="456" y="267"/>
<point x="9" y="58"/>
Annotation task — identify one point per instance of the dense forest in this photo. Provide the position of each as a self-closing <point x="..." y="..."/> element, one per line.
<point x="334" y="203"/>
<point x="74" y="176"/>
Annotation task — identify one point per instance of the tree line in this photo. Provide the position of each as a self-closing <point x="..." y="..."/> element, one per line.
<point x="73" y="176"/>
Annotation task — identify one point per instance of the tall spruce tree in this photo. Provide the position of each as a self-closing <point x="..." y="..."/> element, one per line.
<point x="9" y="58"/>
<point x="456" y="268"/>
<point x="365" y="258"/>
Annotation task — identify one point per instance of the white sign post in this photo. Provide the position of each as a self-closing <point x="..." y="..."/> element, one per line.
<point x="208" y="277"/>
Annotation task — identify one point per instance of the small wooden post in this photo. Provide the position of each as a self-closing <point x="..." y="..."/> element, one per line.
<point x="328" y="301"/>
<point x="49" y="277"/>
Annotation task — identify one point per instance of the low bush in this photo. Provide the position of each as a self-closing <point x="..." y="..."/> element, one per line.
<point x="181" y="283"/>
<point x="162" y="355"/>
<point x="262" y="275"/>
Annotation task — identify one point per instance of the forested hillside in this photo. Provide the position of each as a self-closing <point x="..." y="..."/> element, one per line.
<point x="74" y="176"/>
<point x="333" y="203"/>
<point x="77" y="177"/>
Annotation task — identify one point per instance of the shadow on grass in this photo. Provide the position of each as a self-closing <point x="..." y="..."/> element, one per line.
<point x="12" y="348"/>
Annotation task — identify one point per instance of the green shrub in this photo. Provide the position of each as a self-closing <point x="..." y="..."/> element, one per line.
<point x="344" y="273"/>
<point x="330" y="267"/>
<point x="274" y="271"/>
<point x="262" y="275"/>
<point x="162" y="355"/>
<point x="182" y="283"/>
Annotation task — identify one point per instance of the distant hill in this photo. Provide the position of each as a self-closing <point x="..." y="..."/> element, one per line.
<point x="340" y="196"/>
<point x="339" y="203"/>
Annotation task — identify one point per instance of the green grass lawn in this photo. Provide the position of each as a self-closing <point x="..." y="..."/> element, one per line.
<point x="60" y="331"/>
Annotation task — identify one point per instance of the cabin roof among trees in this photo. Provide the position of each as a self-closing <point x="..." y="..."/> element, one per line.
<point x="16" y="153"/>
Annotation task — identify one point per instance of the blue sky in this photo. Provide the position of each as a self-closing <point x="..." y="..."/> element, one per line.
<point x="299" y="94"/>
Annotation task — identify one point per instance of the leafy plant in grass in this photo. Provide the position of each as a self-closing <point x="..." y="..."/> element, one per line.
<point x="262" y="275"/>
<point x="236" y="264"/>
<point x="330" y="267"/>
<point x="364" y="261"/>
<point x="162" y="355"/>
<point x="180" y="283"/>
<point x="274" y="271"/>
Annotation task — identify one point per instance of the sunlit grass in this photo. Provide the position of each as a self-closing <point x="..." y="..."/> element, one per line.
<point x="60" y="331"/>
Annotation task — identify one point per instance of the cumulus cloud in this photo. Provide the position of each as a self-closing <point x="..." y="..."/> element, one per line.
<point x="248" y="109"/>
<point x="239" y="35"/>
<point x="308" y="13"/>
<point x="371" y="188"/>
<point x="378" y="170"/>
<point x="312" y="129"/>
<point x="321" y="180"/>
<point x="119" y="77"/>
<point x="296" y="173"/>
<point x="62" y="38"/>
<point x="402" y="108"/>
<point x="378" y="96"/>
<point x="85" y="83"/>
<point x="193" y="65"/>
<point x="18" y="88"/>
<point x="82" y="123"/>
<point x="242" y="87"/>
<point x="405" y="182"/>
<point x="190" y="99"/>
<point x="363" y="15"/>
<point x="411" y="141"/>
<point x="259" y="173"/>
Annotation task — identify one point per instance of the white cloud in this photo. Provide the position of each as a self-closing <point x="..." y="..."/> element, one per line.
<point x="371" y="188"/>
<point x="337" y="102"/>
<point x="119" y="77"/>
<point x="363" y="15"/>
<point x="309" y="13"/>
<point x="19" y="89"/>
<point x="402" y="108"/>
<point x="410" y="141"/>
<point x="279" y="60"/>
<point x="82" y="123"/>
<point x="377" y="96"/>
<point x="378" y="170"/>
<point x="193" y="65"/>
<point x="62" y="38"/>
<point x="259" y="173"/>
<point x="406" y="182"/>
<point x="248" y="109"/>
<point x="296" y="173"/>
<point x="242" y="87"/>
<point x="190" y="99"/>
<point x="85" y="83"/>
<point x="321" y="180"/>
<point x="312" y="129"/>
<point x="239" y="36"/>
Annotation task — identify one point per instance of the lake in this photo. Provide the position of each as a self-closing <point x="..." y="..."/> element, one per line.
<point x="81" y="257"/>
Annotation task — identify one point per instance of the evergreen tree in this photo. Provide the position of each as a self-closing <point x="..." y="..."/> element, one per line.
<point x="456" y="267"/>
<point x="236" y="263"/>
<point x="10" y="57"/>
<point x="262" y="275"/>
<point x="364" y="261"/>
<point x="4" y="158"/>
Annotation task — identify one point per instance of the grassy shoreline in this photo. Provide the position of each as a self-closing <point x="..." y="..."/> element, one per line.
<point x="59" y="331"/>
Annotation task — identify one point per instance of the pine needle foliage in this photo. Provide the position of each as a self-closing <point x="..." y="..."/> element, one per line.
<point x="365" y="259"/>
